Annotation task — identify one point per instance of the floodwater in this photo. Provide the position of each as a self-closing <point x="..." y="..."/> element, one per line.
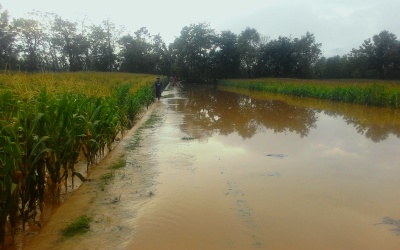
<point x="269" y="172"/>
<point x="215" y="169"/>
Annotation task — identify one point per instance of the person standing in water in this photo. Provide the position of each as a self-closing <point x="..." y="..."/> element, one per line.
<point x="158" y="86"/>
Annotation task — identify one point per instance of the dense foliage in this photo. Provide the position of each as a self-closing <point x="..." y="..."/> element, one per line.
<point x="47" y="42"/>
<point x="49" y="122"/>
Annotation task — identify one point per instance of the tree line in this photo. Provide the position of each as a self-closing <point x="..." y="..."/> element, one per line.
<point x="46" y="42"/>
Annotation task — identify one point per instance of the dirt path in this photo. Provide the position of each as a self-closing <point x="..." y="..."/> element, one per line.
<point x="112" y="205"/>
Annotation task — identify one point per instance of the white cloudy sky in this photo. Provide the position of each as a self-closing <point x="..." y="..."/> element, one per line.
<point x="339" y="25"/>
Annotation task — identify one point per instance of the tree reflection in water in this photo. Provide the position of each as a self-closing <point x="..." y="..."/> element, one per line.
<point x="215" y="111"/>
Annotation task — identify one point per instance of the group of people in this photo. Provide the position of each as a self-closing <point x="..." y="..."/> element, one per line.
<point x="158" y="86"/>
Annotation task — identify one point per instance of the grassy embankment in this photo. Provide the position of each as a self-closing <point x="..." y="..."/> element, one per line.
<point x="48" y="122"/>
<point x="367" y="92"/>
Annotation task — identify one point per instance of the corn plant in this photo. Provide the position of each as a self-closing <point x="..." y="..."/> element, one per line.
<point x="88" y="119"/>
<point x="142" y="97"/>
<point x="31" y="138"/>
<point x="369" y="93"/>
<point x="112" y="123"/>
<point x="59" y="124"/>
<point x="45" y="125"/>
<point x="10" y="175"/>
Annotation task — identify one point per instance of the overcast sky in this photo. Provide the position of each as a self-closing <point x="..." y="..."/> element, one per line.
<point x="339" y="25"/>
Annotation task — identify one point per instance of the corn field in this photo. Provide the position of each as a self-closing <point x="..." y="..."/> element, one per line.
<point x="367" y="92"/>
<point x="48" y="122"/>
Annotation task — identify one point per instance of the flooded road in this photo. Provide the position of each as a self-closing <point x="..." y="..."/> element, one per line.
<point x="215" y="169"/>
<point x="270" y="172"/>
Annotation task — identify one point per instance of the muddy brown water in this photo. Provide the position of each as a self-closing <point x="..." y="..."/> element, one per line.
<point x="214" y="169"/>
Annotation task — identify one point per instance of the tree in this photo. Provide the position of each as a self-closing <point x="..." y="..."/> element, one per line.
<point x="377" y="58"/>
<point x="249" y="41"/>
<point x="143" y="53"/>
<point x="70" y="44"/>
<point x="337" y="67"/>
<point x="143" y="49"/>
<point x="112" y="34"/>
<point x="306" y="54"/>
<point x="227" y="56"/>
<point x="333" y="67"/>
<point x="126" y="54"/>
<point x="360" y="60"/>
<point x="276" y="58"/>
<point x="320" y="67"/>
<point x="192" y="50"/>
<point x="7" y="39"/>
<point x="98" y="49"/>
<point x="386" y="54"/>
<point x="161" y="56"/>
<point x="103" y="41"/>
<point x="30" y="34"/>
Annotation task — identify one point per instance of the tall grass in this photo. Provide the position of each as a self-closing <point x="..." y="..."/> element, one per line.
<point x="47" y="121"/>
<point x="374" y="93"/>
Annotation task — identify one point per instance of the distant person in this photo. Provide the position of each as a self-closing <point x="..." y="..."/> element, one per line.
<point x="158" y="86"/>
<point x="175" y="81"/>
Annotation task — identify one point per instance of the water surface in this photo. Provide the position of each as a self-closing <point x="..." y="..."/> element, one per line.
<point x="261" y="171"/>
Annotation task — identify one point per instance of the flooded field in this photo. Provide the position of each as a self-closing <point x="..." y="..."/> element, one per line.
<point x="240" y="172"/>
<point x="215" y="169"/>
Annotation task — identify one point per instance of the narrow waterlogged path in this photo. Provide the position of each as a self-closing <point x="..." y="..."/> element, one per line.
<point x="210" y="169"/>
<point x="197" y="202"/>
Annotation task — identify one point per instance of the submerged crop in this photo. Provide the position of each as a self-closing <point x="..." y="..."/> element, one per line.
<point x="368" y="92"/>
<point x="49" y="122"/>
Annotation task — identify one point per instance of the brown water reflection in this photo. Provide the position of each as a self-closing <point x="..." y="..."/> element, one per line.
<point x="228" y="112"/>
<point x="271" y="172"/>
<point x="225" y="113"/>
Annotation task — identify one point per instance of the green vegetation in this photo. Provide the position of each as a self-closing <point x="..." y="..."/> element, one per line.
<point x="187" y="138"/>
<point x="374" y="93"/>
<point x="50" y="122"/>
<point x="153" y="119"/>
<point x="136" y="141"/>
<point x="137" y="138"/>
<point x="79" y="226"/>
<point x="120" y="163"/>
<point x="105" y="179"/>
